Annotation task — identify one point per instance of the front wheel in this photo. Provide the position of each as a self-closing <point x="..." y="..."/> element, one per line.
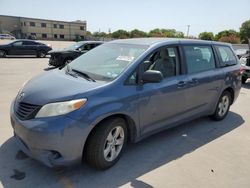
<point x="41" y="54"/>
<point x="222" y="106"/>
<point x="106" y="143"/>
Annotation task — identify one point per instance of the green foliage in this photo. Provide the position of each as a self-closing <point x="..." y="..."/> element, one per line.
<point x="137" y="33"/>
<point x="99" y="34"/>
<point x="226" y="33"/>
<point x="206" y="36"/>
<point x="120" y="34"/>
<point x="88" y="33"/>
<point x="230" y="36"/>
<point x="233" y="39"/>
<point x="245" y="31"/>
<point x="166" y="33"/>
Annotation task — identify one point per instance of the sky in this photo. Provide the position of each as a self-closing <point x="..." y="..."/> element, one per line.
<point x="201" y="15"/>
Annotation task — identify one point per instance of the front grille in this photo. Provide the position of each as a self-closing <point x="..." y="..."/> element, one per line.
<point x="26" y="111"/>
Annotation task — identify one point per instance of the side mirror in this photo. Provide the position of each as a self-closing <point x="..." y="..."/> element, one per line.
<point x="152" y="76"/>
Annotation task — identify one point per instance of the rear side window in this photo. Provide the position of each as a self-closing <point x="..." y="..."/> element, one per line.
<point x="226" y="56"/>
<point x="199" y="58"/>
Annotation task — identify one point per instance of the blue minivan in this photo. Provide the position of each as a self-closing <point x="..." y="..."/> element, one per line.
<point x="120" y="92"/>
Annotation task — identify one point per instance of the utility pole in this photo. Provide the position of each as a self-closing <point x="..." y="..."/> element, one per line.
<point x="188" y="26"/>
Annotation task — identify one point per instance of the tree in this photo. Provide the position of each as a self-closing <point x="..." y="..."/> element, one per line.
<point x="206" y="36"/>
<point x="155" y="33"/>
<point x="88" y="33"/>
<point x="120" y="34"/>
<point x="233" y="39"/>
<point x="226" y="33"/>
<point x="99" y="34"/>
<point x="166" y="33"/>
<point x="245" y="31"/>
<point x="137" y="33"/>
<point x="230" y="36"/>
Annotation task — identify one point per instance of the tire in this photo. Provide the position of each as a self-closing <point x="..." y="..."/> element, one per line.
<point x="243" y="79"/>
<point x="105" y="140"/>
<point x="223" y="106"/>
<point x="41" y="54"/>
<point x="2" y="53"/>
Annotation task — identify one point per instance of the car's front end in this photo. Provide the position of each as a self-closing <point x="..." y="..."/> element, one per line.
<point x="44" y="118"/>
<point x="54" y="141"/>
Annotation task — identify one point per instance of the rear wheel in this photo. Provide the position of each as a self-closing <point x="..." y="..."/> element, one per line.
<point x="41" y="54"/>
<point x="2" y="53"/>
<point x="106" y="143"/>
<point x="222" y="106"/>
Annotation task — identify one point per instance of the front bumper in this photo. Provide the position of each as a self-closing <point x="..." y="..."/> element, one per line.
<point x="55" y="61"/>
<point x="54" y="141"/>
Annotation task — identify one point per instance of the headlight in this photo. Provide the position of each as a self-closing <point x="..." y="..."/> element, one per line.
<point x="60" y="108"/>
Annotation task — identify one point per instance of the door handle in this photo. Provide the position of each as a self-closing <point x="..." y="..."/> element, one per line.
<point x="181" y="84"/>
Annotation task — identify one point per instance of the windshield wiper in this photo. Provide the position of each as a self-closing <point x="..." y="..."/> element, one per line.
<point x="69" y="71"/>
<point x="85" y="75"/>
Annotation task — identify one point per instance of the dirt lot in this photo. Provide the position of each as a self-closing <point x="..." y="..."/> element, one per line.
<point x="201" y="153"/>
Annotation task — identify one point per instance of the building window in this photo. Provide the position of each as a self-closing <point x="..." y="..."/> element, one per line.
<point x="33" y="24"/>
<point x="44" y="35"/>
<point x="61" y="36"/>
<point x="61" y="26"/>
<point x="55" y="25"/>
<point x="24" y="23"/>
<point x="81" y="27"/>
<point x="55" y="36"/>
<point x="43" y="24"/>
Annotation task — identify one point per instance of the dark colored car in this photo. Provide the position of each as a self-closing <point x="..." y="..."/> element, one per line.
<point x="59" y="58"/>
<point x="122" y="91"/>
<point x="24" y="47"/>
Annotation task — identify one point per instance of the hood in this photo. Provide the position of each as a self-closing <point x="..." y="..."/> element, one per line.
<point x="55" y="86"/>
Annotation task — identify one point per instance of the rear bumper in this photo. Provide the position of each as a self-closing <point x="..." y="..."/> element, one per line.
<point x="55" y="141"/>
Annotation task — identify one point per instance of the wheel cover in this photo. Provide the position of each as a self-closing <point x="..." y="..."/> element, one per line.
<point x="42" y="54"/>
<point x="114" y="143"/>
<point x="223" y="106"/>
<point x="2" y="53"/>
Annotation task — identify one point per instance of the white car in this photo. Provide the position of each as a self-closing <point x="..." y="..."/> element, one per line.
<point x="7" y="36"/>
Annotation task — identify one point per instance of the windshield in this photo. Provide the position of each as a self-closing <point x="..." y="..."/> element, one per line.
<point x="107" y="61"/>
<point x="74" y="46"/>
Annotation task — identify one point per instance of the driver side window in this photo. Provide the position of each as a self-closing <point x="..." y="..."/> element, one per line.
<point x="164" y="60"/>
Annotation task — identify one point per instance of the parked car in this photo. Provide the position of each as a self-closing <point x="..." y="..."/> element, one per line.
<point x="245" y="66"/>
<point x="241" y="52"/>
<point x="7" y="36"/>
<point x="59" y="58"/>
<point x="24" y="47"/>
<point x="121" y="91"/>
